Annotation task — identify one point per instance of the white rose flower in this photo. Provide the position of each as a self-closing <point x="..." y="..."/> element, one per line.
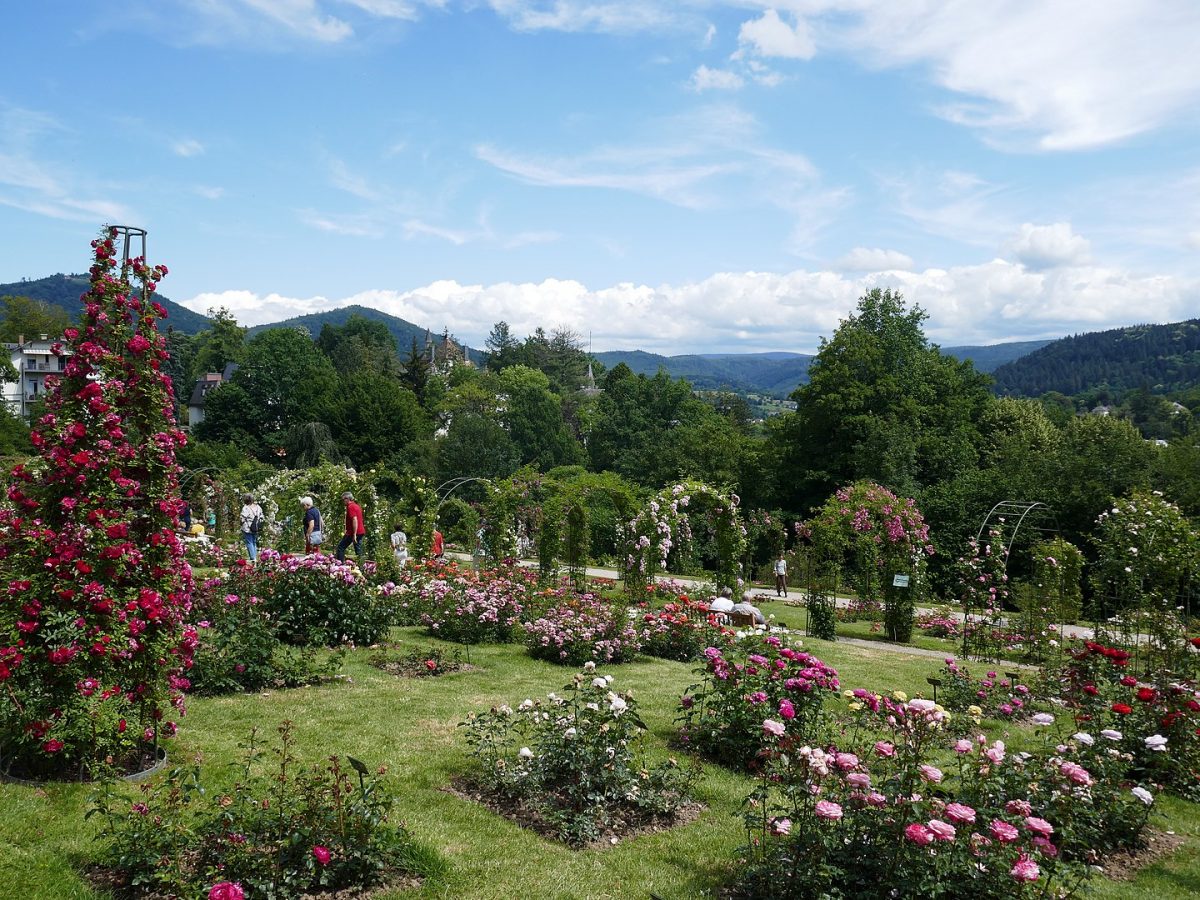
<point x="525" y="753"/>
<point x="1142" y="794"/>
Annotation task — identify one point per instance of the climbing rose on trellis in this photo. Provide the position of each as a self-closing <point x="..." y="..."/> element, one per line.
<point x="92" y="638"/>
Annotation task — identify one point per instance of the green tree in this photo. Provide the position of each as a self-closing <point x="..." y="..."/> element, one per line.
<point x="361" y="345"/>
<point x="372" y="417"/>
<point x="29" y="318"/>
<point x="415" y="372"/>
<point x="533" y="418"/>
<point x="882" y="403"/>
<point x="502" y="347"/>
<point x="218" y="346"/>
<point x="476" y="445"/>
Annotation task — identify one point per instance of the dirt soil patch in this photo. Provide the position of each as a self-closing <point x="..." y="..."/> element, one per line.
<point x="1123" y="865"/>
<point x="624" y="824"/>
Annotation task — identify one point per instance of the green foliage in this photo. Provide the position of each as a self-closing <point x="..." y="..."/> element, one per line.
<point x="282" y="831"/>
<point x="371" y="416"/>
<point x="29" y="318"/>
<point x="222" y="343"/>
<point x="576" y="760"/>
<point x="313" y="600"/>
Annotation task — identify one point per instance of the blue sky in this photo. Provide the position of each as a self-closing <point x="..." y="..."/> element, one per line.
<point x="682" y="176"/>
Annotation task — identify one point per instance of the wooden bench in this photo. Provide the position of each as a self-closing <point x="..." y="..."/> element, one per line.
<point x="741" y="619"/>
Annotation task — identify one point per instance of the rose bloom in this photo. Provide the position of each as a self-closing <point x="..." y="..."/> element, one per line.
<point x="943" y="831"/>
<point x="958" y="812"/>
<point x="1003" y="832"/>
<point x="963" y="746"/>
<point x="876" y="799"/>
<point x="883" y="748"/>
<point x="781" y="826"/>
<point x="1142" y="794"/>
<point x="931" y="774"/>
<point x="322" y="854"/>
<point x="1122" y="709"/>
<point x="1076" y="773"/>
<point x="1084" y="738"/>
<point x="1043" y="719"/>
<point x="770" y="726"/>
<point x="226" y="890"/>
<point x="1025" y="869"/>
<point x="919" y="834"/>
<point x="1156" y="742"/>
<point x="1018" y="808"/>
<point x="995" y="752"/>
<point x="859" y="780"/>
<point x="1039" y="826"/>
<point x="826" y="809"/>
<point x="1111" y="734"/>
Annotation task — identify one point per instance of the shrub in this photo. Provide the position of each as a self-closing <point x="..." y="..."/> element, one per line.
<point x="96" y="588"/>
<point x="876" y="818"/>
<point x="991" y="695"/>
<point x="575" y="760"/>
<point x="582" y="628"/>
<point x="281" y="834"/>
<point x="239" y="648"/>
<point x="313" y="600"/>
<point x="762" y="679"/>
<point x="474" y="608"/>
<point x="680" y="630"/>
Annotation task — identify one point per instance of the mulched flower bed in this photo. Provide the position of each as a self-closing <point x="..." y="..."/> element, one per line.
<point x="418" y="662"/>
<point x="1123" y="865"/>
<point x="625" y="824"/>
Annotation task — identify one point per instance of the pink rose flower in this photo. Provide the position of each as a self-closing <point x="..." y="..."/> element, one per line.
<point x="943" y="831"/>
<point x="1039" y="826"/>
<point x="781" y="826"/>
<point x="322" y="854"/>
<point x="957" y="812"/>
<point x="226" y="890"/>
<point x="770" y="726"/>
<point x="1025" y="869"/>
<point x="931" y="774"/>
<point x="919" y="834"/>
<point x="826" y="809"/>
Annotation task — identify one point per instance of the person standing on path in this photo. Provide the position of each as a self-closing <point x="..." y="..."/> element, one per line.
<point x="438" y="548"/>
<point x="311" y="524"/>
<point x="356" y="529"/>
<point x="251" y="521"/>
<point x="781" y="576"/>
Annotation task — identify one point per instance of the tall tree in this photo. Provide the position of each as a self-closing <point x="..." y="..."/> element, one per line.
<point x="502" y="347"/>
<point x="29" y="318"/>
<point x="361" y="345"/>
<point x="219" y="345"/>
<point x="882" y="403"/>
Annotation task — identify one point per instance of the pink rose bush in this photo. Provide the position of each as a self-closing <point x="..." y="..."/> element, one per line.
<point x="583" y="627"/>
<point x="681" y="630"/>
<point x="749" y="694"/>
<point x="475" y="607"/>
<point x="93" y="641"/>
<point x="872" y="809"/>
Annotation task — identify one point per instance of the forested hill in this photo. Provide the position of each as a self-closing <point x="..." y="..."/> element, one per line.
<point x="64" y="291"/>
<point x="404" y="331"/>
<point x="1162" y="357"/>
<point x="778" y="374"/>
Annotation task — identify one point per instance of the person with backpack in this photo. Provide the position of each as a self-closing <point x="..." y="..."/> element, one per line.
<point x="252" y="523"/>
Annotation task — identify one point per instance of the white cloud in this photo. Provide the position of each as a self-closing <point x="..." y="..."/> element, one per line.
<point x="304" y="18"/>
<point x="1049" y="246"/>
<point x="770" y="36"/>
<point x="611" y="16"/>
<point x="209" y="193"/>
<point x="1057" y="74"/>
<point x="748" y="311"/>
<point x="706" y="79"/>
<point x="186" y="147"/>
<point x="863" y="259"/>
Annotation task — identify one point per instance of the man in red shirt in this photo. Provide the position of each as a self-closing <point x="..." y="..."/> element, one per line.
<point x="356" y="528"/>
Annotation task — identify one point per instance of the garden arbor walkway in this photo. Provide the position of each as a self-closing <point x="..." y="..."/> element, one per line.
<point x="1082" y="632"/>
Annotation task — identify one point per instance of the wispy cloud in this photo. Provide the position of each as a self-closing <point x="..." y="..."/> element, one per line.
<point x="706" y="79"/>
<point x="186" y="147"/>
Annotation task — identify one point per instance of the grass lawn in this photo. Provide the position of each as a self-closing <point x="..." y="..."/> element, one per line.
<point x="411" y="725"/>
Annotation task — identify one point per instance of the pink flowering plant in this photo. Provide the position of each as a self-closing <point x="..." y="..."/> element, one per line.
<point x="281" y="830"/>
<point x="984" y="592"/>
<point x="877" y="814"/>
<point x="93" y="642"/>
<point x="681" y="630"/>
<point x="575" y="761"/>
<point x="239" y="647"/>
<point x="876" y="535"/>
<point x="312" y="600"/>
<point x="991" y="694"/>
<point x="760" y="679"/>
<point x="581" y="628"/>
<point x="475" y="607"/>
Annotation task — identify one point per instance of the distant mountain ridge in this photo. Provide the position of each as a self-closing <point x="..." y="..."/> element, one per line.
<point x="778" y="373"/>
<point x="404" y="331"/>
<point x="1161" y="357"/>
<point x="64" y="292"/>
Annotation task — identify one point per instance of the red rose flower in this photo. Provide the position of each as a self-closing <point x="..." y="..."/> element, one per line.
<point x="1122" y="709"/>
<point x="322" y="854"/>
<point x="1146" y="694"/>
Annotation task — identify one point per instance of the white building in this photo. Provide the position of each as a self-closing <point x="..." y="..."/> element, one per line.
<point x="33" y="360"/>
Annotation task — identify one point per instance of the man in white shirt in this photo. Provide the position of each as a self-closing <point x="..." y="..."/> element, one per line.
<point x="781" y="576"/>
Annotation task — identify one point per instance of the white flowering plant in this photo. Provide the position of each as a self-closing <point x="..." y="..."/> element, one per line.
<point x="575" y="762"/>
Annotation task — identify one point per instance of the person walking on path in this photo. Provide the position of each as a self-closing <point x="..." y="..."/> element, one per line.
<point x="781" y="576"/>
<point x="251" y="521"/>
<point x="438" y="548"/>
<point x="356" y="529"/>
<point x="314" y="528"/>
